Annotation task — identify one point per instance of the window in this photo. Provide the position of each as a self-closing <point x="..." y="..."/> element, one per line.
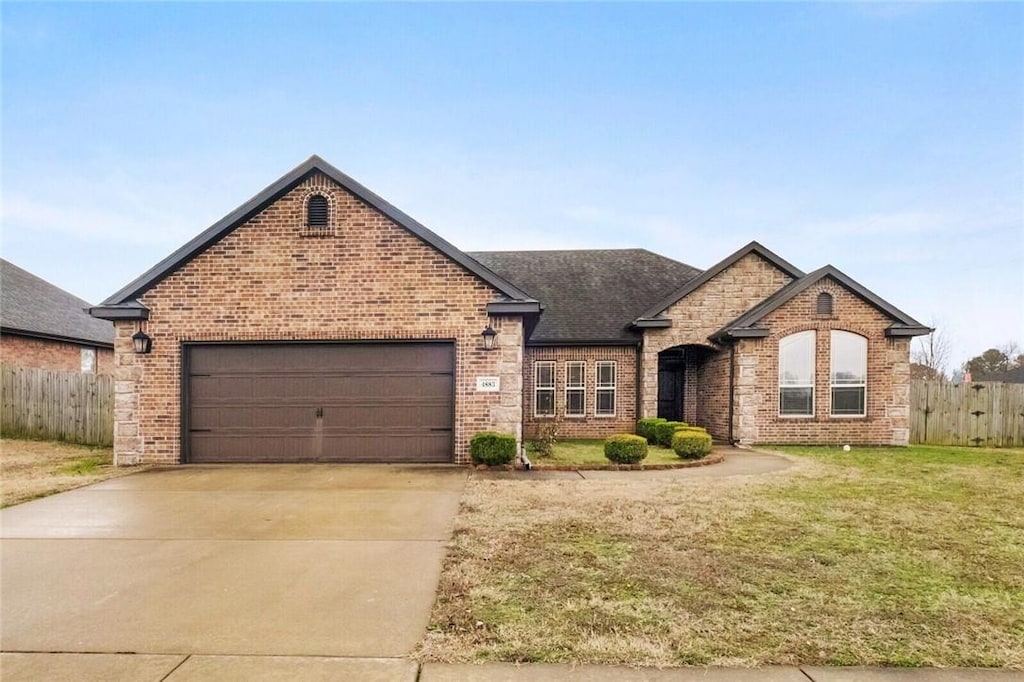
<point x="544" y="389"/>
<point x="88" y="360"/>
<point x="849" y="371"/>
<point x="316" y="212"/>
<point x="605" y="389"/>
<point x="824" y="307"/>
<point x="575" y="389"/>
<point x="796" y="375"/>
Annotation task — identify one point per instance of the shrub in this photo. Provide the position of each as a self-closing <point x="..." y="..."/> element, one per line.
<point x="492" y="449"/>
<point x="663" y="432"/>
<point x="625" y="448"/>
<point x="645" y="427"/>
<point x="547" y="437"/>
<point x="691" y="443"/>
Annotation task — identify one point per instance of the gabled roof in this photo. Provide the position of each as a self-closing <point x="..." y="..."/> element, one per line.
<point x="31" y="306"/>
<point x="114" y="306"/>
<point x="746" y="325"/>
<point x="652" y="316"/>
<point x="589" y="296"/>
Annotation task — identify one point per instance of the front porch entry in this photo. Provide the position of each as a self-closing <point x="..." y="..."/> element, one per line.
<point x="677" y="377"/>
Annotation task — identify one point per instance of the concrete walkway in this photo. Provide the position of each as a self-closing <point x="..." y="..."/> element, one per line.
<point x="143" y="668"/>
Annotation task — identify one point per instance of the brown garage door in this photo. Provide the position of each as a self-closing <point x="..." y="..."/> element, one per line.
<point x="319" y="402"/>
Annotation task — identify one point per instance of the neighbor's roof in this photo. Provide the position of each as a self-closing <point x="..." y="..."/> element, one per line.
<point x="589" y="296"/>
<point x="1010" y="376"/>
<point x="124" y="303"/>
<point x="32" y="306"/>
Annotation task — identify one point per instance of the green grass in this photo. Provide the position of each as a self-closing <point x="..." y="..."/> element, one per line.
<point x="879" y="556"/>
<point x="580" y="451"/>
<point x="83" y="466"/>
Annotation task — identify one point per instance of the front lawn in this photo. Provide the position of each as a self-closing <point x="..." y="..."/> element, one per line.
<point x="33" y="468"/>
<point x="904" y="556"/>
<point x="587" y="452"/>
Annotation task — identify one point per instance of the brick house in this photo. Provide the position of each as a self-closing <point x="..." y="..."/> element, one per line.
<point x="317" y="322"/>
<point x="44" y="327"/>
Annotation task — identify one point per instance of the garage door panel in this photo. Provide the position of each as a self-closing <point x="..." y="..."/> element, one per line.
<point x="320" y="402"/>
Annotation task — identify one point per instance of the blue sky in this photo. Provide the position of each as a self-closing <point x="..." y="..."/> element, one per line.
<point x="885" y="139"/>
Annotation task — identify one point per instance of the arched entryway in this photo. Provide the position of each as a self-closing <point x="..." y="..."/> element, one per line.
<point x="677" y="377"/>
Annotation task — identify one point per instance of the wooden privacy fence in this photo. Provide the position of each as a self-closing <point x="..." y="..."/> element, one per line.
<point x="68" y="406"/>
<point x="981" y="413"/>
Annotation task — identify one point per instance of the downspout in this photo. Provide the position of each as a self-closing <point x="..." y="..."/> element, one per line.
<point x="732" y="389"/>
<point x="638" y="406"/>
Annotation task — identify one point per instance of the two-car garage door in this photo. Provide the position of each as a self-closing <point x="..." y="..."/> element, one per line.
<point x="319" y="402"/>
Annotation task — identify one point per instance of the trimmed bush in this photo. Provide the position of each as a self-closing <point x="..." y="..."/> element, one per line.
<point x="691" y="443"/>
<point x="625" y="448"/>
<point x="645" y="427"/>
<point x="664" y="430"/>
<point x="492" y="449"/>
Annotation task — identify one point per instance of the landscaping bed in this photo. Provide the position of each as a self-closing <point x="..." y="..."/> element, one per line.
<point x="586" y="455"/>
<point x="878" y="556"/>
<point x="31" y="469"/>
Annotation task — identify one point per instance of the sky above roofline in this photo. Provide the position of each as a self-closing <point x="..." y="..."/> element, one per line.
<point x="883" y="139"/>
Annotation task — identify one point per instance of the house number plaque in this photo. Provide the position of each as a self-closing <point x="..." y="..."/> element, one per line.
<point x="488" y="384"/>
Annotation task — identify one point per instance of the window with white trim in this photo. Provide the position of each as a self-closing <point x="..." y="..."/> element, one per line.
<point x="544" y="388"/>
<point x="796" y="374"/>
<point x="605" y="389"/>
<point x="575" y="389"/>
<point x="88" y="357"/>
<point x="848" y="373"/>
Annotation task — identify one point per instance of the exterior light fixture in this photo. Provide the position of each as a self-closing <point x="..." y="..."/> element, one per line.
<point x="488" y="335"/>
<point x="142" y="343"/>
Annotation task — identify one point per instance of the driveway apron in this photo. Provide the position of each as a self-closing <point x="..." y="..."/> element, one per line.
<point x="281" y="560"/>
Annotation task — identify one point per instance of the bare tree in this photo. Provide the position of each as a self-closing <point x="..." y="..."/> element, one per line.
<point x="931" y="353"/>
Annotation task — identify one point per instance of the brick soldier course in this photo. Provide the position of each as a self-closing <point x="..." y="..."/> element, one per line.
<point x="277" y="270"/>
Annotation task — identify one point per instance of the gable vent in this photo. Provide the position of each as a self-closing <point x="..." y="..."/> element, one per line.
<point x="824" y="307"/>
<point x="316" y="212"/>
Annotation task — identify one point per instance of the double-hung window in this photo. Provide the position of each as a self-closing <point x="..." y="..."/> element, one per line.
<point x="575" y="389"/>
<point x="796" y="375"/>
<point x="544" y="388"/>
<point x="849" y="368"/>
<point x="605" y="389"/>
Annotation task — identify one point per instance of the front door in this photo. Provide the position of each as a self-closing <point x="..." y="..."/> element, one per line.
<point x="671" y="380"/>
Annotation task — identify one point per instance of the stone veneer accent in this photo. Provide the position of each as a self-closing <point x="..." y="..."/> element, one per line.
<point x="704" y="311"/>
<point x="58" y="356"/>
<point x="269" y="280"/>
<point x="590" y="425"/>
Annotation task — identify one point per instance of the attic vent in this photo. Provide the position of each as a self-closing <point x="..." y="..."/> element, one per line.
<point x="316" y="213"/>
<point x="824" y="304"/>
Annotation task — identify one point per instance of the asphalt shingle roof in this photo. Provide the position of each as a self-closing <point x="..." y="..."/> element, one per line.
<point x="32" y="305"/>
<point x="589" y="295"/>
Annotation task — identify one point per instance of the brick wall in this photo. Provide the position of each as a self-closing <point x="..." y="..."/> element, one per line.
<point x="590" y="425"/>
<point x="363" y="278"/>
<point x="888" y="376"/>
<point x="59" y="356"/>
<point x="704" y="311"/>
<point x="712" y="408"/>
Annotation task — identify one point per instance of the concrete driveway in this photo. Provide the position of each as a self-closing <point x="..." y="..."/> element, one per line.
<point x="269" y="560"/>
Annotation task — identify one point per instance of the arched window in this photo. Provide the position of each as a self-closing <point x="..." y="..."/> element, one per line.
<point x="824" y="304"/>
<point x="796" y="374"/>
<point x="316" y="212"/>
<point x="849" y="370"/>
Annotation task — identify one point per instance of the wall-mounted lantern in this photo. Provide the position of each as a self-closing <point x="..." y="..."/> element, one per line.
<point x="142" y="343"/>
<point x="488" y="335"/>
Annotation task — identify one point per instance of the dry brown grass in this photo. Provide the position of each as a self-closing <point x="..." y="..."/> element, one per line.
<point x="907" y="557"/>
<point x="31" y="469"/>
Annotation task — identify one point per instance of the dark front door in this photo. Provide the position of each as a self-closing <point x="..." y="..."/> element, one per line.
<point x="671" y="380"/>
<point x="319" y="402"/>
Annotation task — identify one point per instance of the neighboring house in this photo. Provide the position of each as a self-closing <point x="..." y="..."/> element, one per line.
<point x="1014" y="375"/>
<point x="319" y="322"/>
<point x="45" y="327"/>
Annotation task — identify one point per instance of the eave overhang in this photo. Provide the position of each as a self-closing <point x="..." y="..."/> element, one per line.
<point x="652" y="323"/>
<point x="899" y="330"/>
<point x="132" y="310"/>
